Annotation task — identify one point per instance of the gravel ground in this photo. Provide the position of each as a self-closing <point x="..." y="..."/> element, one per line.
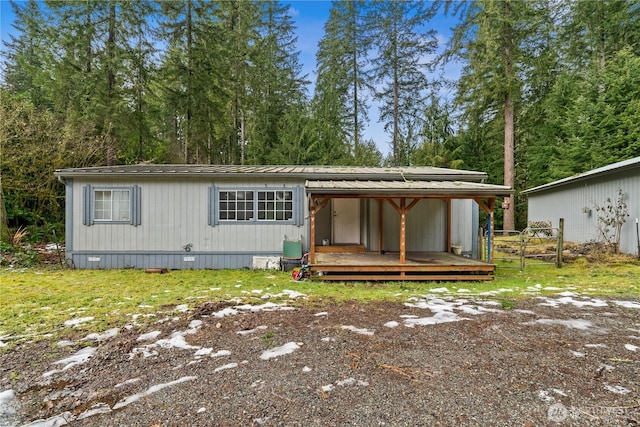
<point x="434" y="361"/>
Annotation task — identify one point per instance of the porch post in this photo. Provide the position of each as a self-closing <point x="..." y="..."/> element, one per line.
<point x="312" y="220"/>
<point x="448" y="201"/>
<point x="380" y="225"/>
<point x="403" y="229"/>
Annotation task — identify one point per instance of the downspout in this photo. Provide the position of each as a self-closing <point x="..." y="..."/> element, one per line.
<point x="68" y="220"/>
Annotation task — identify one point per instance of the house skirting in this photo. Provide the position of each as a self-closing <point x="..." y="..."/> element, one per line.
<point x="180" y="260"/>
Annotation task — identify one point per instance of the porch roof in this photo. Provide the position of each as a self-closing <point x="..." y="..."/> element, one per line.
<point x="460" y="189"/>
<point x="278" y="171"/>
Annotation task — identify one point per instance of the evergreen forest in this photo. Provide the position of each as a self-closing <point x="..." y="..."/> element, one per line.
<point x="547" y="89"/>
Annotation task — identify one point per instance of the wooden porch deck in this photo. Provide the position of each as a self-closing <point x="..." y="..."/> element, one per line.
<point x="419" y="266"/>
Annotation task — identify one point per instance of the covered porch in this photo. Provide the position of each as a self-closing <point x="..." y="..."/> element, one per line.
<point x="375" y="260"/>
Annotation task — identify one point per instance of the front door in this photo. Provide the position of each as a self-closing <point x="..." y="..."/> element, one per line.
<point x="346" y="221"/>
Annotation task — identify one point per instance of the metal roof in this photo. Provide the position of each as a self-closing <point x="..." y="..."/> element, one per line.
<point x="410" y="188"/>
<point x="306" y="172"/>
<point x="605" y="170"/>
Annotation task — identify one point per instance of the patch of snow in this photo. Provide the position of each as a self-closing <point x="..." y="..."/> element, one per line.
<point x="204" y="351"/>
<point x="577" y="353"/>
<point x="599" y="345"/>
<point x="580" y="324"/>
<point x="55" y="421"/>
<point x="145" y="306"/>
<point x="439" y="290"/>
<point x="98" y="408"/>
<point x="306" y="369"/>
<point x="79" y="320"/>
<point x="293" y="294"/>
<point x="149" y="336"/>
<point x="628" y="304"/>
<point x="568" y="294"/>
<point x="618" y="389"/>
<point x="327" y="339"/>
<point x="345" y="383"/>
<point x="631" y="347"/>
<point x="221" y="353"/>
<point x="463" y="291"/>
<point x="524" y="311"/>
<point x="201" y="410"/>
<point x="65" y="343"/>
<point x="250" y="331"/>
<point x="228" y="311"/>
<point x="110" y="333"/>
<point x="392" y="324"/>
<point x="7" y="411"/>
<point x="569" y="299"/>
<point x="267" y="306"/>
<point x="558" y="391"/>
<point x="182" y="308"/>
<point x="227" y="366"/>
<point x="361" y="331"/>
<point x="153" y="389"/>
<point x="322" y="313"/>
<point x="176" y="341"/>
<point x="287" y="348"/>
<point x="81" y="356"/>
<point x="440" y="317"/>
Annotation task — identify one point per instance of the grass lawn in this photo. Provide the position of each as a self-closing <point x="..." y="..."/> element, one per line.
<point x="36" y="303"/>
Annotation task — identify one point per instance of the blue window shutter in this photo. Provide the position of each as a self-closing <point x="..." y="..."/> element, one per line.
<point x="136" y="205"/>
<point x="213" y="206"/>
<point x="298" y="203"/>
<point x="87" y="205"/>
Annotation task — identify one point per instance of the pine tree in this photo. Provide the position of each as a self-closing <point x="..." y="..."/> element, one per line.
<point x="398" y="69"/>
<point x="341" y="89"/>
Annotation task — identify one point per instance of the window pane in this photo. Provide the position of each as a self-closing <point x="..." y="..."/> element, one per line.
<point x="102" y="205"/>
<point x="121" y="205"/>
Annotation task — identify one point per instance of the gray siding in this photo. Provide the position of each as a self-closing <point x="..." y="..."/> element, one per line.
<point x="573" y="202"/>
<point x="174" y="214"/>
<point x="426" y="227"/>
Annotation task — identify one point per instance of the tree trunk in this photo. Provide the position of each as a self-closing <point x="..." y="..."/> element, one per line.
<point x="509" y="207"/>
<point x="4" y="221"/>
<point x="509" y="127"/>
<point x="111" y="83"/>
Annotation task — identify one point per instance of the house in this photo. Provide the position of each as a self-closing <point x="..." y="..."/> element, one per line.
<point x="575" y="199"/>
<point x="212" y="217"/>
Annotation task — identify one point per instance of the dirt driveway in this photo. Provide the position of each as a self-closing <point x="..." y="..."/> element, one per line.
<point x="437" y="360"/>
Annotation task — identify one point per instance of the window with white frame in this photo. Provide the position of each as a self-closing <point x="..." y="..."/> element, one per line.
<point x="275" y="205"/>
<point x="256" y="205"/>
<point x="112" y="205"/>
<point x="236" y="205"/>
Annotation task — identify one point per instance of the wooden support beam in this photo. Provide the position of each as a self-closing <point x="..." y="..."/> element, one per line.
<point x="448" y="243"/>
<point x="380" y="225"/>
<point x="312" y="232"/>
<point x="403" y="231"/>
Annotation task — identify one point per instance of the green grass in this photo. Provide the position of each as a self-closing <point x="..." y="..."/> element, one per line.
<point x="35" y="303"/>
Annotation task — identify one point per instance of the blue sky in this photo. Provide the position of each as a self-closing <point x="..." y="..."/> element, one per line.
<point x="309" y="17"/>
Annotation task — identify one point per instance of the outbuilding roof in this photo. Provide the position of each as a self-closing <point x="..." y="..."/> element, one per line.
<point x="409" y="188"/>
<point x="409" y="173"/>
<point x="605" y="170"/>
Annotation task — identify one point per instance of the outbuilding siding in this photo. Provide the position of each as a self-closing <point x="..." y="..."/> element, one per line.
<point x="575" y="202"/>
